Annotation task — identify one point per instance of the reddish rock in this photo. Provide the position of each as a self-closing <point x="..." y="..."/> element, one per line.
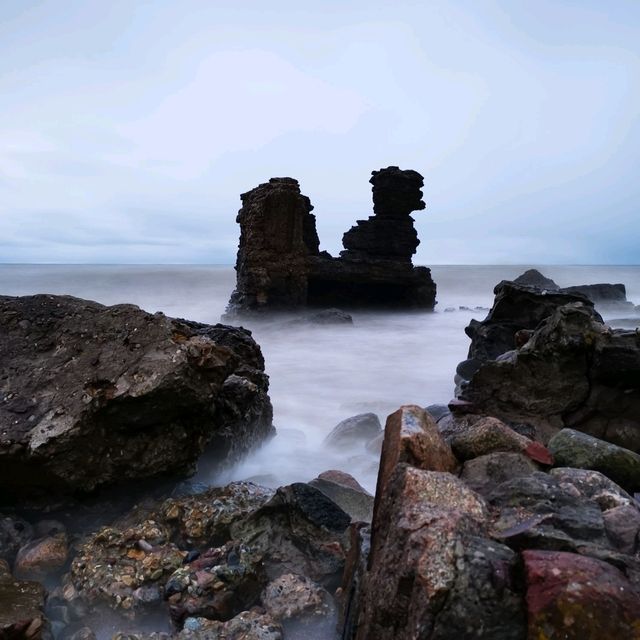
<point x="623" y="527"/>
<point x="342" y="478"/>
<point x="572" y="597"/>
<point x="411" y="435"/>
<point x="21" y="608"/>
<point x="539" y="453"/>
<point x="433" y="572"/>
<point x="42" y="557"/>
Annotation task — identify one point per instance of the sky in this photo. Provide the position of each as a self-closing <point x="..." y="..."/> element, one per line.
<point x="129" y="129"/>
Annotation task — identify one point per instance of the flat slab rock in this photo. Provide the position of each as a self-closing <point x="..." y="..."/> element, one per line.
<point x="93" y="395"/>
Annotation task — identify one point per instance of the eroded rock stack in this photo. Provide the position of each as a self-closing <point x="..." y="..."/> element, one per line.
<point x="280" y="267"/>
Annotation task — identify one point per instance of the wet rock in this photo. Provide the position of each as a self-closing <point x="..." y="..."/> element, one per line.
<point x="533" y="278"/>
<point x="113" y="568"/>
<point x="84" y="633"/>
<point x="21" y="609"/>
<point x="515" y="307"/>
<point x="623" y="527"/>
<point x="300" y="530"/>
<point x="42" y="557"/>
<point x="575" y="449"/>
<point x="487" y="435"/>
<point x="346" y="493"/>
<point x="219" y="584"/>
<point x="536" y="511"/>
<point x="15" y="532"/>
<point x="593" y="485"/>
<point x="248" y="625"/>
<point x="205" y="519"/>
<point x="121" y="394"/>
<point x="578" y="598"/>
<point x="433" y="572"/>
<point x="301" y="606"/>
<point x="411" y="435"/>
<point x="360" y="428"/>
<point x="484" y="473"/>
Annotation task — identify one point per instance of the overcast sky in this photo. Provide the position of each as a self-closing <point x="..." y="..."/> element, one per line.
<point x="128" y="129"/>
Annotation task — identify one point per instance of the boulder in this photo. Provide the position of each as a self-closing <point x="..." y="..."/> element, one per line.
<point x="515" y="308"/>
<point x="433" y="571"/>
<point x="360" y="428"/>
<point x="484" y="473"/>
<point x="533" y="278"/>
<point x="411" y="435"/>
<point x="572" y="448"/>
<point x="593" y="485"/>
<point x="536" y="511"/>
<point x="573" y="372"/>
<point x="42" y="557"/>
<point x="300" y="530"/>
<point x="301" y="606"/>
<point x="348" y="495"/>
<point x="280" y="267"/>
<point x="219" y="584"/>
<point x="487" y="435"/>
<point x="95" y="395"/>
<point x="623" y="527"/>
<point x="578" y="598"/>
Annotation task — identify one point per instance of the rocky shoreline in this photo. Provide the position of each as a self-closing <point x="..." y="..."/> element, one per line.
<point x="510" y="513"/>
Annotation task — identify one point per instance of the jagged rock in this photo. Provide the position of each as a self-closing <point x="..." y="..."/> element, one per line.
<point x="411" y="435"/>
<point x="515" y="308"/>
<point x="433" y="572"/>
<point x="482" y="474"/>
<point x="575" y="449"/>
<point x="533" y="278"/>
<point x="219" y="584"/>
<point x="248" y="625"/>
<point x="360" y="428"/>
<point x="487" y="435"/>
<point x="353" y="579"/>
<point x="21" y="609"/>
<point x="94" y="395"/>
<point x="577" y="598"/>
<point x="573" y="372"/>
<point x="346" y="493"/>
<point x="42" y="557"/>
<point x="536" y="511"/>
<point x="279" y="265"/>
<point x="300" y="530"/>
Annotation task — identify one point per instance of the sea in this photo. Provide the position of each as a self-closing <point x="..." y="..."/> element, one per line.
<point x="320" y="375"/>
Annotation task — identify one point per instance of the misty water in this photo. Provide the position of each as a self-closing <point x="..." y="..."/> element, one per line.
<point x="319" y="375"/>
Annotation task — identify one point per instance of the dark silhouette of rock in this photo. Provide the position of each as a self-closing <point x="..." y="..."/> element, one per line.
<point x="533" y="278"/>
<point x="95" y="395"/>
<point x="280" y="266"/>
<point x="573" y="372"/>
<point x="602" y="294"/>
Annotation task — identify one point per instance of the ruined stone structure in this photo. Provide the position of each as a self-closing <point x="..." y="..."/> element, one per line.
<point x="280" y="265"/>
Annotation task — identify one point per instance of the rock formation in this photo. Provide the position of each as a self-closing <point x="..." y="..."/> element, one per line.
<point x="548" y="359"/>
<point x="280" y="267"/>
<point x="94" y="395"/>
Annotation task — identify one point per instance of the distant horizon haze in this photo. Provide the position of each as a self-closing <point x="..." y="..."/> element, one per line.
<point x="128" y="130"/>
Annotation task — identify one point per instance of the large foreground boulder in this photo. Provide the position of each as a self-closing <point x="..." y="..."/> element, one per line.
<point x="93" y="395"/>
